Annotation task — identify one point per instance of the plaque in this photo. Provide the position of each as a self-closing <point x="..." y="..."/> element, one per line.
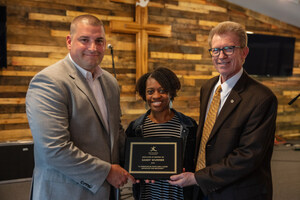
<point x="153" y="158"/>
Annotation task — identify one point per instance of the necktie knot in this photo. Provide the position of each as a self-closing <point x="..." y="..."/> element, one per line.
<point x="219" y="89"/>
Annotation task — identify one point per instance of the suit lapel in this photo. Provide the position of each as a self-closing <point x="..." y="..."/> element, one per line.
<point x="231" y="102"/>
<point x="206" y="96"/>
<point x="84" y="87"/>
<point x="108" y="95"/>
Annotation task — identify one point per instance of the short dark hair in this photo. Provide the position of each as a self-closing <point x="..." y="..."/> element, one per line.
<point x="87" y="19"/>
<point x="165" y="77"/>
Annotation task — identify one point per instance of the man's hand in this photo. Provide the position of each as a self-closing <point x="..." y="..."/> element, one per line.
<point x="118" y="176"/>
<point x="183" y="179"/>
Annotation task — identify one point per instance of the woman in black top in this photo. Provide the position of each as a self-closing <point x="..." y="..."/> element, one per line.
<point x="158" y="89"/>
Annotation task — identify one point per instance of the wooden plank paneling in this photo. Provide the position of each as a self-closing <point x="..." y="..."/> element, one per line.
<point x="200" y="6"/>
<point x="178" y="56"/>
<point x="48" y="17"/>
<point x="14" y="118"/>
<point x="15" y="135"/>
<point x="36" y="48"/>
<point x="17" y="73"/>
<point x="73" y="14"/>
<point x="208" y="23"/>
<point x="12" y="101"/>
<point x="36" y="38"/>
<point x="13" y="88"/>
<point x="186" y="9"/>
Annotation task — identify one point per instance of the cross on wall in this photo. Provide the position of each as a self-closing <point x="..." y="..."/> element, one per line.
<point x="141" y="29"/>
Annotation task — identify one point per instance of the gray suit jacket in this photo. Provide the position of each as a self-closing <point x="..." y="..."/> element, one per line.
<point x="72" y="149"/>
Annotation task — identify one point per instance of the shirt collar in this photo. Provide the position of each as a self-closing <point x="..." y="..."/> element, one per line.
<point x="88" y="75"/>
<point x="230" y="83"/>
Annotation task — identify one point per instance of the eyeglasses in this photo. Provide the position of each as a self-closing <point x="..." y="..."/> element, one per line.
<point x="226" y="50"/>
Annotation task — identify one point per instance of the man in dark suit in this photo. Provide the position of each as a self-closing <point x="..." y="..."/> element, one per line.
<point x="73" y="109"/>
<point x="237" y="153"/>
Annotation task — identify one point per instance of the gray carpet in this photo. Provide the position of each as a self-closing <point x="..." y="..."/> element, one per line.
<point x="286" y="172"/>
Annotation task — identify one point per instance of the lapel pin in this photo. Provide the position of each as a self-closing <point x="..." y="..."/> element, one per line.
<point x="231" y="101"/>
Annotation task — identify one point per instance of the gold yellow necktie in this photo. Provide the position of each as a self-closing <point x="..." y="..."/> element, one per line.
<point x="208" y="125"/>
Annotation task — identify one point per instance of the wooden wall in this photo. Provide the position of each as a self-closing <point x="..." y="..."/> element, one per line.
<point x="36" y="31"/>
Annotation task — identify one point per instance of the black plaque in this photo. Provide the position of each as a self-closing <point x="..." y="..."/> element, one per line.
<point x="153" y="158"/>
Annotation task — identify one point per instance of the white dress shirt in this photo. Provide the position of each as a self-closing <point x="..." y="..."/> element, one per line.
<point x="95" y="86"/>
<point x="226" y="89"/>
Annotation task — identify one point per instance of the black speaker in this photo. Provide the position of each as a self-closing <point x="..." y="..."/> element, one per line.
<point x="17" y="161"/>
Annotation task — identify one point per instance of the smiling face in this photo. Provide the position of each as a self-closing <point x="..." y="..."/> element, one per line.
<point x="87" y="45"/>
<point x="156" y="97"/>
<point x="228" y="66"/>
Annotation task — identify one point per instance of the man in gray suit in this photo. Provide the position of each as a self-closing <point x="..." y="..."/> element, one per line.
<point x="73" y="109"/>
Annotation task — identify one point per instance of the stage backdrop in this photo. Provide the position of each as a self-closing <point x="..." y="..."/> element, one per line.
<point x="36" y="38"/>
